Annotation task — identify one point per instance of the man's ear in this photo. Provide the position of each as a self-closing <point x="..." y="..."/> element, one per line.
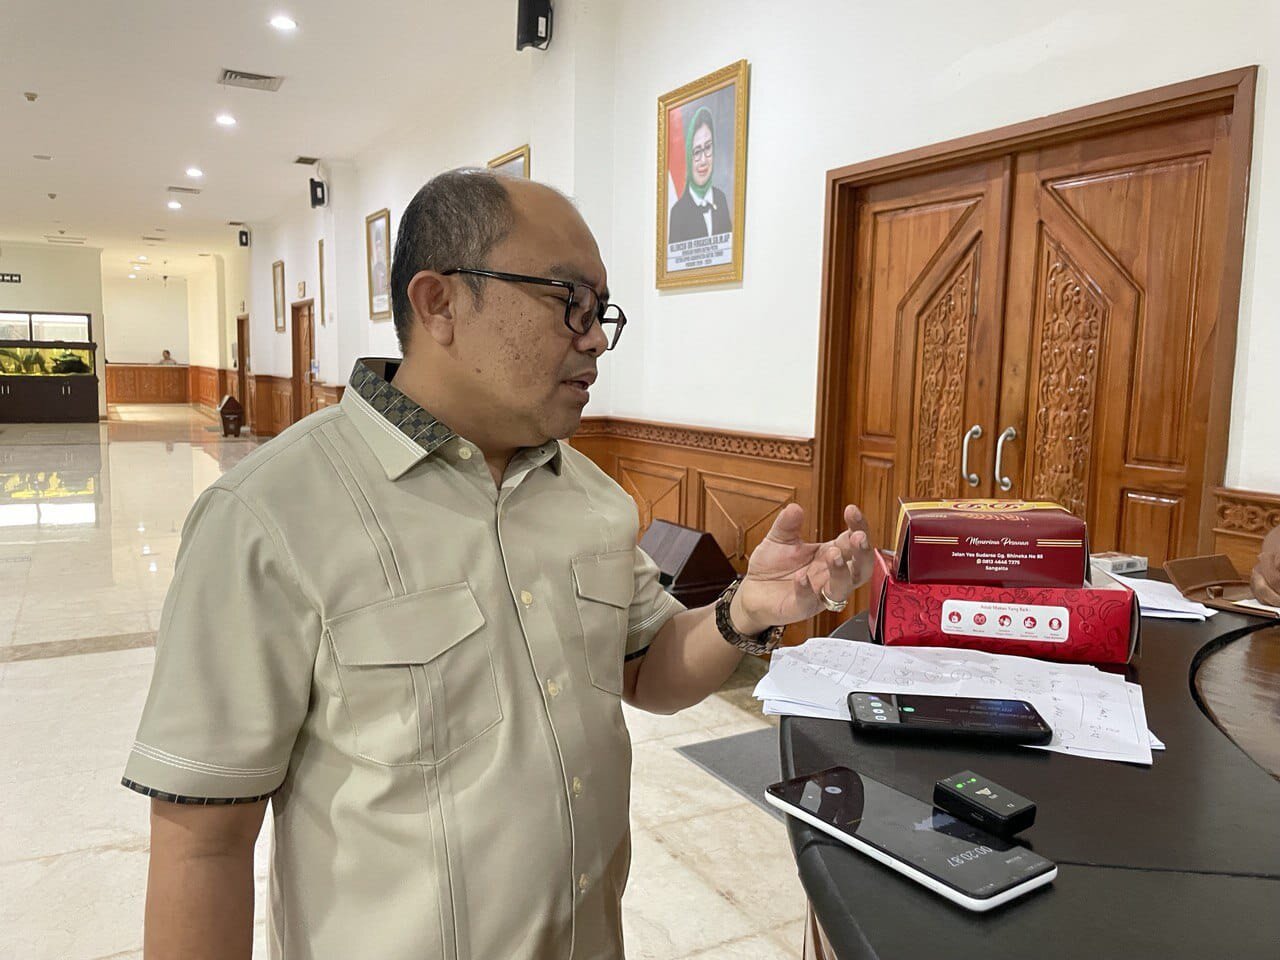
<point x="431" y="297"/>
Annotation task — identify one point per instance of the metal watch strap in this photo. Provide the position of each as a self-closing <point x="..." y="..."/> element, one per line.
<point x="758" y="645"/>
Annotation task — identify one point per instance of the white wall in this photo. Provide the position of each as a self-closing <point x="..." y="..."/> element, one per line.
<point x="204" y="312"/>
<point x="832" y="83"/>
<point x="58" y="280"/>
<point x="147" y="317"/>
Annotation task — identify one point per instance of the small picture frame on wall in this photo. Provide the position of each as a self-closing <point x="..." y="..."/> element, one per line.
<point x="702" y="179"/>
<point x="377" y="239"/>
<point x="277" y="291"/>
<point x="513" y="163"/>
<point x="320" y="249"/>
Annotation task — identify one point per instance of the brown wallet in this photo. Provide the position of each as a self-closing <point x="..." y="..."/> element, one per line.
<point x="1215" y="582"/>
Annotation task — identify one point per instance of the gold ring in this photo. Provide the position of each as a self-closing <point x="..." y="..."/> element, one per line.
<point x="835" y="606"/>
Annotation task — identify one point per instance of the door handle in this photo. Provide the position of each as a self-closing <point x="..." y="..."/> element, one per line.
<point x="974" y="433"/>
<point x="1004" y="483"/>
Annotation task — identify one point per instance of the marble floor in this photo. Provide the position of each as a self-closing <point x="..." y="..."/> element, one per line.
<point x="89" y="525"/>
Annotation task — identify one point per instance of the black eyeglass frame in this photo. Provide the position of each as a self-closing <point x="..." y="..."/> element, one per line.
<point x="619" y="322"/>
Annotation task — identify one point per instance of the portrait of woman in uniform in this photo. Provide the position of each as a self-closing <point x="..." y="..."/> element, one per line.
<point x="702" y="141"/>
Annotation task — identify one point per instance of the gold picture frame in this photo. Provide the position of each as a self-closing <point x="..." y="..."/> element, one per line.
<point x="277" y="294"/>
<point x="513" y="163"/>
<point x="700" y="226"/>
<point x="377" y="245"/>
<point x="320" y="255"/>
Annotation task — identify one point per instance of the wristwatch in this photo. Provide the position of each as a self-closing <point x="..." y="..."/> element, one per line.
<point x="758" y="645"/>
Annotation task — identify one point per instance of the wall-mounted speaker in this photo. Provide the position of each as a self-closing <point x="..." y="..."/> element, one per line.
<point x="319" y="193"/>
<point x="244" y="236"/>
<point x="533" y="24"/>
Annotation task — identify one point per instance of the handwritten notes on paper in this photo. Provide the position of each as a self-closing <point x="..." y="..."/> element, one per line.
<point x="1092" y="713"/>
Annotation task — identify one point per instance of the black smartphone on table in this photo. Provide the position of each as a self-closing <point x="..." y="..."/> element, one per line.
<point x="966" y="864"/>
<point x="1014" y="721"/>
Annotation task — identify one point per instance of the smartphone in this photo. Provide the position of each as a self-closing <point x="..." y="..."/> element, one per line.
<point x="1015" y="721"/>
<point x="970" y="867"/>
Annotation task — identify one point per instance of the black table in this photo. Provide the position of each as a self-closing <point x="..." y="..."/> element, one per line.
<point x="1179" y="859"/>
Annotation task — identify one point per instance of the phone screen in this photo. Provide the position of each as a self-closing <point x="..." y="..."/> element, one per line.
<point x="960" y="855"/>
<point x="966" y="714"/>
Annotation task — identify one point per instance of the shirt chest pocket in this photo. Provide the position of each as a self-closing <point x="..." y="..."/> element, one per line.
<point x="604" y="585"/>
<point x="417" y="675"/>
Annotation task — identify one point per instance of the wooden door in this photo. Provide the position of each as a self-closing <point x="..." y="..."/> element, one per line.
<point x="304" y="351"/>
<point x="928" y="288"/>
<point x="242" y="362"/>
<point x="1116" y="267"/>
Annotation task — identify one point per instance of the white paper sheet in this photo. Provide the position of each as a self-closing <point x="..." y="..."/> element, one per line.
<point x="1258" y="605"/>
<point x="1092" y="713"/>
<point x="1160" y="599"/>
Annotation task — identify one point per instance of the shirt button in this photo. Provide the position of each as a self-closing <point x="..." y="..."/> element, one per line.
<point x="526" y="597"/>
<point x="464" y="453"/>
<point x="577" y="787"/>
<point x="582" y="882"/>
<point x="553" y="688"/>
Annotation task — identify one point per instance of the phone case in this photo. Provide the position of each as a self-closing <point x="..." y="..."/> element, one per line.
<point x="1215" y="582"/>
<point x="1006" y="736"/>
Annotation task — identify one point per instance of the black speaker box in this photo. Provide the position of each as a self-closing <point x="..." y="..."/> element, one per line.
<point x="244" y="236"/>
<point x="692" y="566"/>
<point x="319" y="193"/>
<point x="533" y="24"/>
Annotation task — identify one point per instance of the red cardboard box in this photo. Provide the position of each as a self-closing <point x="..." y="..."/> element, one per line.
<point x="998" y="543"/>
<point x="1067" y="624"/>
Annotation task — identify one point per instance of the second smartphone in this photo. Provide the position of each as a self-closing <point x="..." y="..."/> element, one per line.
<point x="1014" y="721"/>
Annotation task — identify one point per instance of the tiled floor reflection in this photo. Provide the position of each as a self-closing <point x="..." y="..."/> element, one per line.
<point x="90" y="517"/>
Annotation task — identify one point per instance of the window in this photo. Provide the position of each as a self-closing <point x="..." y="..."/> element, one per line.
<point x="67" y="327"/>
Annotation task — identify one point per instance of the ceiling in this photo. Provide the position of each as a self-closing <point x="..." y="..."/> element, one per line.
<point x="128" y="92"/>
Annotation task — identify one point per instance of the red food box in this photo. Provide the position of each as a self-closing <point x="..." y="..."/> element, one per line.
<point x="996" y="543"/>
<point x="1089" y="624"/>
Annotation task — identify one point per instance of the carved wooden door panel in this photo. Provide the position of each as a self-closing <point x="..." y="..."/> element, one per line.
<point x="1116" y="258"/>
<point x="926" y="338"/>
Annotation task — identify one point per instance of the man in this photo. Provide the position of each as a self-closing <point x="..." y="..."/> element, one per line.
<point x="702" y="210"/>
<point x="411" y="621"/>
<point x="167" y="358"/>
<point x="1266" y="573"/>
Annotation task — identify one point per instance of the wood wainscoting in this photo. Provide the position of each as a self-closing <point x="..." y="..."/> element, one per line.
<point x="271" y="404"/>
<point x="326" y="395"/>
<point x="731" y="484"/>
<point x="147" y="383"/>
<point x="208" y="385"/>
<point x="1241" y="518"/>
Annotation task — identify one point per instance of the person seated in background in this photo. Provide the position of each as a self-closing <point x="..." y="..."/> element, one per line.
<point x="167" y="358"/>
<point x="1266" y="572"/>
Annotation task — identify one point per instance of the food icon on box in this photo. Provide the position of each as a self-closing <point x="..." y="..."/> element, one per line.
<point x="980" y="619"/>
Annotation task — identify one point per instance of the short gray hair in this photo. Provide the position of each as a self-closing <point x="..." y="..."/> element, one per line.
<point x="455" y="220"/>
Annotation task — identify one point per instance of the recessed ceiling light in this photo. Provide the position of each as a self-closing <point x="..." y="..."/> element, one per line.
<point x="175" y="205"/>
<point x="133" y="276"/>
<point x="142" y="257"/>
<point x="281" y="22"/>
<point x="194" y="172"/>
<point x="226" y="120"/>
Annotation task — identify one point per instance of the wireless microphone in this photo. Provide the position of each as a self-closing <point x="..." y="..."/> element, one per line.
<point x="984" y="802"/>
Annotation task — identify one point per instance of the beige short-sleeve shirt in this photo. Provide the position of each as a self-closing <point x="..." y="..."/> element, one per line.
<point x="424" y="672"/>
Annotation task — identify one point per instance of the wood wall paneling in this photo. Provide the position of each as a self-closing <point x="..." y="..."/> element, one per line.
<point x="1242" y="518"/>
<point x="729" y="484"/>
<point x="147" y="383"/>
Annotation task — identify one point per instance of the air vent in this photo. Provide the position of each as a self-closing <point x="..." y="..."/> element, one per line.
<point x="69" y="241"/>
<point x="308" y="161"/>
<point x="253" y="81"/>
<point x="155" y="239"/>
<point x="235" y="223"/>
<point x="189" y="191"/>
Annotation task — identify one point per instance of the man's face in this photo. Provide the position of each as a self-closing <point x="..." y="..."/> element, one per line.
<point x="702" y="155"/>
<point x="517" y="358"/>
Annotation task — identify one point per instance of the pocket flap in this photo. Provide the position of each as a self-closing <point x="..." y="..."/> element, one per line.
<point x="413" y="629"/>
<point x="607" y="578"/>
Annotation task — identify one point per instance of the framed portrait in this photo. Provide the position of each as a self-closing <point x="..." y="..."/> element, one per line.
<point x="320" y="249"/>
<point x="277" y="291"/>
<point x="377" y="241"/>
<point x="514" y="163"/>
<point x="702" y="183"/>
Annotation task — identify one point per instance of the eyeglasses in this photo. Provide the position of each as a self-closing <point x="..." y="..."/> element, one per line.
<point x="583" y="308"/>
<point x="699" y="152"/>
